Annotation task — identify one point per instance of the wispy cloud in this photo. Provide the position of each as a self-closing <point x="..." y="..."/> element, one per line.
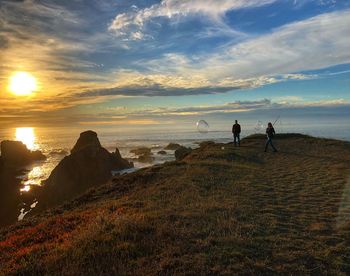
<point x="230" y="107"/>
<point x="135" y="84"/>
<point x="132" y="24"/>
<point x="315" y="43"/>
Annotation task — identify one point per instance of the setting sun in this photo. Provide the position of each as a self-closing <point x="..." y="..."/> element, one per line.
<point x="22" y="84"/>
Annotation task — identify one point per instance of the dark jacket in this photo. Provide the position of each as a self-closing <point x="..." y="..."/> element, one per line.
<point x="236" y="129"/>
<point x="270" y="131"/>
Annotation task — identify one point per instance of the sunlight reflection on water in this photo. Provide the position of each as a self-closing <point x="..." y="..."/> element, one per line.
<point x="23" y="211"/>
<point x="27" y="136"/>
<point x="35" y="176"/>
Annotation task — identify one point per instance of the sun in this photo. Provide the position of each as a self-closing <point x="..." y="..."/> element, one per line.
<point x="22" y="84"/>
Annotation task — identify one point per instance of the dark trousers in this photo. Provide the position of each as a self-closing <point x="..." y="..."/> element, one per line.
<point x="269" y="141"/>
<point x="236" y="139"/>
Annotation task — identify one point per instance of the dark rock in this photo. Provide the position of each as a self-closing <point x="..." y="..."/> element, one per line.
<point x="182" y="152"/>
<point x="162" y="152"/>
<point x="145" y="158"/>
<point x="173" y="146"/>
<point x="205" y="144"/>
<point x="117" y="153"/>
<point x="15" y="153"/>
<point x="144" y="155"/>
<point x="141" y="151"/>
<point x="37" y="155"/>
<point x="9" y="196"/>
<point x="21" y="172"/>
<point x="87" y="139"/>
<point x="58" y="152"/>
<point x="88" y="165"/>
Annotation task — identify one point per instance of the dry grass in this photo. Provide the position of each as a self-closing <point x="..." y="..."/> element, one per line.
<point x="220" y="211"/>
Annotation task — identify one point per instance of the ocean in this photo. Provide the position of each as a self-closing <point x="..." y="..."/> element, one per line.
<point x="56" y="143"/>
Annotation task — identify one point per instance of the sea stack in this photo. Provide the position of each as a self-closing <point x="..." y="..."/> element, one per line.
<point x="16" y="154"/>
<point x="88" y="165"/>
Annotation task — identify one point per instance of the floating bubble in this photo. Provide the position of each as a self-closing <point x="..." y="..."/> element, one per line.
<point x="202" y="126"/>
<point x="259" y="126"/>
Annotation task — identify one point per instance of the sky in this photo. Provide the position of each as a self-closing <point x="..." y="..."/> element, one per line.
<point x="147" y="63"/>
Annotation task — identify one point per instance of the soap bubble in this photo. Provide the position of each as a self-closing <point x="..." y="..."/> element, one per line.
<point x="202" y="126"/>
<point x="259" y="126"/>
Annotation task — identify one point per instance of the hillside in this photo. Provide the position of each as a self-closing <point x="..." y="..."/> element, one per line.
<point x="221" y="210"/>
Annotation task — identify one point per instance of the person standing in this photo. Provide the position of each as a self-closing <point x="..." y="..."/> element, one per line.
<point x="270" y="132"/>
<point x="236" y="130"/>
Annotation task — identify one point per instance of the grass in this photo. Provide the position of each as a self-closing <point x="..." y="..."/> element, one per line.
<point x="222" y="210"/>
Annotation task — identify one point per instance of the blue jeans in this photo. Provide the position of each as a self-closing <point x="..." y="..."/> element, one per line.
<point x="269" y="141"/>
<point x="236" y="138"/>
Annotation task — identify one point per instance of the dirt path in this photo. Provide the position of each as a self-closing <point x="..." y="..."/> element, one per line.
<point x="302" y="198"/>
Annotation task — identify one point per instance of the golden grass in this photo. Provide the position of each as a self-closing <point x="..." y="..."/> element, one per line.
<point x="219" y="211"/>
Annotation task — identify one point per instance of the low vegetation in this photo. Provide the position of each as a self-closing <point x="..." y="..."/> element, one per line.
<point x="221" y="210"/>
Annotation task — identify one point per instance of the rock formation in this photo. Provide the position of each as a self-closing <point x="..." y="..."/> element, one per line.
<point x="141" y="151"/>
<point x="9" y="194"/>
<point x="15" y="153"/>
<point x="144" y="155"/>
<point x="182" y="152"/>
<point x="88" y="165"/>
<point x="172" y="146"/>
<point x="145" y="158"/>
<point x="87" y="139"/>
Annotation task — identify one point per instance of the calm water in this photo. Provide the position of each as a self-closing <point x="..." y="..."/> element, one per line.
<point x="56" y="143"/>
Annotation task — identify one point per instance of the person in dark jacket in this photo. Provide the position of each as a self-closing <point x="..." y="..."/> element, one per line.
<point x="270" y="132"/>
<point x="236" y="130"/>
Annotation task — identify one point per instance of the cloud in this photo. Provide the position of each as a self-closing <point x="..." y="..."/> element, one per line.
<point x="315" y="43"/>
<point x="120" y="122"/>
<point x="135" y="84"/>
<point x="230" y="107"/>
<point x="131" y="24"/>
<point x="318" y="42"/>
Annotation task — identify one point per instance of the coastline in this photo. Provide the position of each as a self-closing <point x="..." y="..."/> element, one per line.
<point x="40" y="171"/>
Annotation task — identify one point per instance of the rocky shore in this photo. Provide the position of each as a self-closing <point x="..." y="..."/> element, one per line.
<point x="88" y="165"/>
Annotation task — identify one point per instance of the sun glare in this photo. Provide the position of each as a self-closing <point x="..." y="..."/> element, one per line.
<point x="22" y="84"/>
<point x="27" y="136"/>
